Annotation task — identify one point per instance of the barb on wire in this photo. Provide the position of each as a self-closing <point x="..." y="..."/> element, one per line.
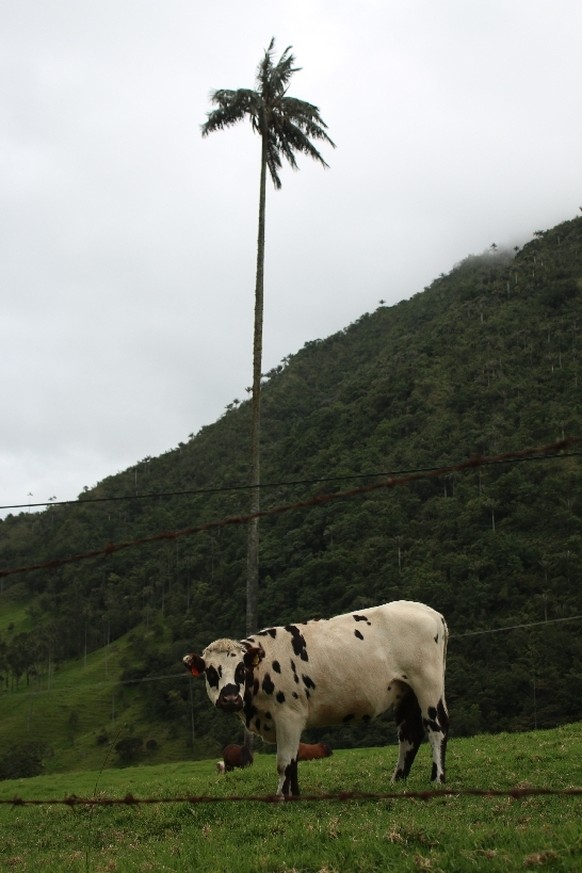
<point x="316" y="500"/>
<point x="517" y="793"/>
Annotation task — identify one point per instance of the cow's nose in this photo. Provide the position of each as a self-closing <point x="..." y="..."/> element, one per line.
<point x="229" y="699"/>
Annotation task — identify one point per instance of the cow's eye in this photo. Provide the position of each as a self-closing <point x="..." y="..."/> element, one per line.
<point x="240" y="674"/>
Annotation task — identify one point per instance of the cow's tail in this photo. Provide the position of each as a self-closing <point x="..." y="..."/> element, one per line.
<point x="445" y="645"/>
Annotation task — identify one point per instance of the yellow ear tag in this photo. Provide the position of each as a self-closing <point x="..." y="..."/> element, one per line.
<point x="256" y="660"/>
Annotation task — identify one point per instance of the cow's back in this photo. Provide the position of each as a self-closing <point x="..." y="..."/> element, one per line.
<point x="399" y="635"/>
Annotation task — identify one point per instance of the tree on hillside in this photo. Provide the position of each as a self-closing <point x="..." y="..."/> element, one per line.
<point x="286" y="126"/>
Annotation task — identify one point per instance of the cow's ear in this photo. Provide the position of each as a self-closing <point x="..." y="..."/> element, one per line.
<point x="253" y="657"/>
<point x="195" y="664"/>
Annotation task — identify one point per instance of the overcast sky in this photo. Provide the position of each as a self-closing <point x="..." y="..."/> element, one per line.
<point x="127" y="242"/>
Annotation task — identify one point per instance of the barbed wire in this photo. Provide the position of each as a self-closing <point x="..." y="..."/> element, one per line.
<point x="497" y="630"/>
<point x="184" y="676"/>
<point x="517" y="793"/>
<point x="316" y="500"/>
<point x="83" y="500"/>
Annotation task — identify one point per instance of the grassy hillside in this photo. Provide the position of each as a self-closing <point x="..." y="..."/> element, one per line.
<point x="485" y="360"/>
<point x="79" y="711"/>
<point x="456" y="833"/>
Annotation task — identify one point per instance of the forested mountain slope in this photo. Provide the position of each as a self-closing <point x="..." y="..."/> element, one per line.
<point x="486" y="360"/>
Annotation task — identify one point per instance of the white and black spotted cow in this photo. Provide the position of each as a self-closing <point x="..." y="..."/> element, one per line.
<point x="352" y="667"/>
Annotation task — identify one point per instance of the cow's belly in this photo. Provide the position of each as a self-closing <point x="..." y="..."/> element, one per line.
<point x="352" y="705"/>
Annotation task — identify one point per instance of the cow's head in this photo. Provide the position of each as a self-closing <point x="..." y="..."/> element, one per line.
<point x="226" y="666"/>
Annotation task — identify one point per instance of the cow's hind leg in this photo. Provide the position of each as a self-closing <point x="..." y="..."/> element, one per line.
<point x="436" y="723"/>
<point x="410" y="731"/>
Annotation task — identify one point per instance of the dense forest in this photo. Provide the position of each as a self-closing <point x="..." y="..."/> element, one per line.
<point x="484" y="361"/>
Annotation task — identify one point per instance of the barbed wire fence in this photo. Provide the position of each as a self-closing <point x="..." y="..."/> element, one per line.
<point x="518" y="793"/>
<point x="474" y="462"/>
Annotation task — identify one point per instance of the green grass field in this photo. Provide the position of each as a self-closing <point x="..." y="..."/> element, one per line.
<point x="453" y="833"/>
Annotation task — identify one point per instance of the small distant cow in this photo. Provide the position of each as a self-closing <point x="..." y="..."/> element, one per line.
<point x="310" y="751"/>
<point x="350" y="668"/>
<point x="234" y="756"/>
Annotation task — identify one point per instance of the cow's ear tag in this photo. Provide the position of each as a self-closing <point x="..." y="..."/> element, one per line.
<point x="195" y="664"/>
<point x="253" y="657"/>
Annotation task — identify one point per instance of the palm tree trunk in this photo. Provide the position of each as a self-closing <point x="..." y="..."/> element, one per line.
<point x="253" y="531"/>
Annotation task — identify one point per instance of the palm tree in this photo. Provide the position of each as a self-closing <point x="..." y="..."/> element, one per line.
<point x="286" y="126"/>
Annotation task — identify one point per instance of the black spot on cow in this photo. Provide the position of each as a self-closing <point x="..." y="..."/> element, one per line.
<point x="276" y="667"/>
<point x="250" y="712"/>
<point x="362" y="618"/>
<point x="256" y="685"/>
<point x="295" y="695"/>
<point x="267" y="684"/>
<point x="212" y="677"/>
<point x="280" y="697"/>
<point x="436" y="639"/>
<point x="294" y="669"/>
<point x="240" y="674"/>
<point x="297" y="641"/>
<point x="433" y="714"/>
<point x="308" y="681"/>
<point x="358" y="635"/>
<point x="270" y="631"/>
<point x="347" y="718"/>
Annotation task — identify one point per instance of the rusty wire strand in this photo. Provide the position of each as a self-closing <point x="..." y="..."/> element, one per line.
<point x="84" y="501"/>
<point x="316" y="500"/>
<point x="517" y="793"/>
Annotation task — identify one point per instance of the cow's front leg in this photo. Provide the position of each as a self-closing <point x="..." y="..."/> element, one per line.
<point x="288" y="782"/>
<point x="288" y="737"/>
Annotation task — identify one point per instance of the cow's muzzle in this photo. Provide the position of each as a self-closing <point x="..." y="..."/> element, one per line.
<point x="229" y="699"/>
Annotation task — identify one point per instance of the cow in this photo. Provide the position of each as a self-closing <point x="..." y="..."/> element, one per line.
<point x="234" y="756"/>
<point x="311" y="751"/>
<point x="282" y="680"/>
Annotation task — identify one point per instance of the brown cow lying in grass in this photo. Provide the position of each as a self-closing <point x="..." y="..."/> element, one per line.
<point x="234" y="756"/>
<point x="309" y="751"/>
